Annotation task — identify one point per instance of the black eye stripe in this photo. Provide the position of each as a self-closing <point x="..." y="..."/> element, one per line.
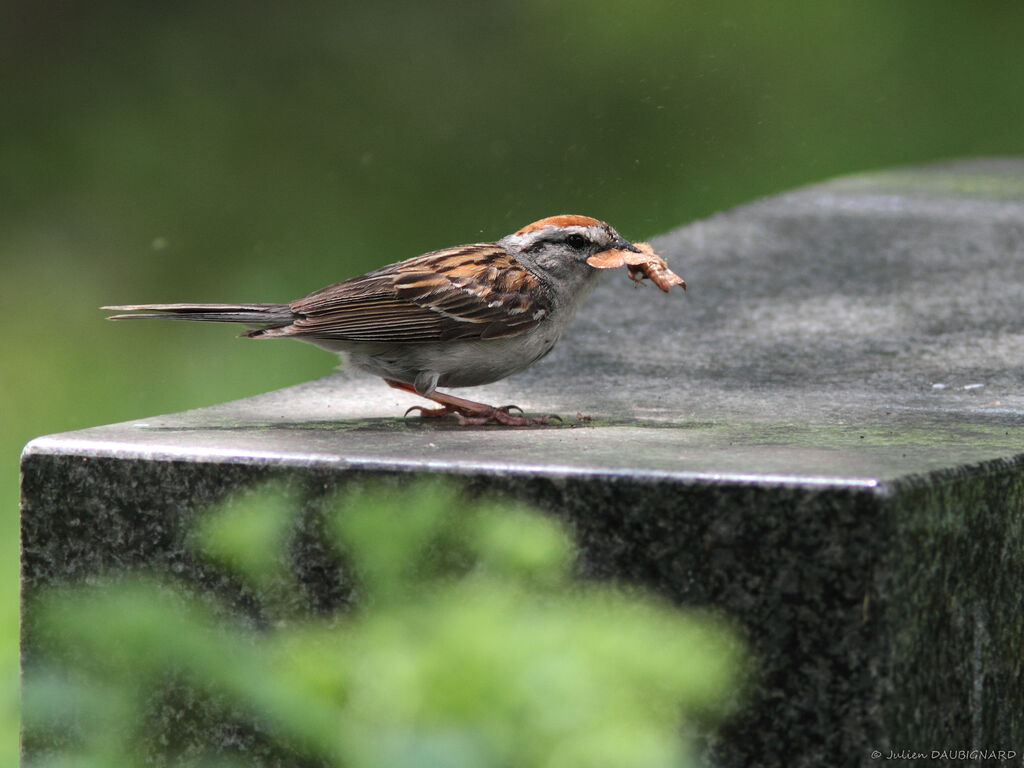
<point x="574" y="240"/>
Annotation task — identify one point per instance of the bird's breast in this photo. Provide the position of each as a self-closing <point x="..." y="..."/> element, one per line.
<point x="458" y="363"/>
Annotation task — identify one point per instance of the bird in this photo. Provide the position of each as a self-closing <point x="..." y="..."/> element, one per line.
<point x="456" y="317"/>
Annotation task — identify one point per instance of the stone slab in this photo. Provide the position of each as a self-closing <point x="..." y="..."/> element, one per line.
<point x="860" y="330"/>
<point x="824" y="439"/>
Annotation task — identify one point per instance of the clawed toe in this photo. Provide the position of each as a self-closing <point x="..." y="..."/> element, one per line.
<point x="475" y="418"/>
<point x="429" y="413"/>
<point x="470" y="413"/>
<point x="491" y="416"/>
<point x="504" y="417"/>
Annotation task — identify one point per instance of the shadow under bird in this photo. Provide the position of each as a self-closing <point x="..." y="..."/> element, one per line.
<point x="457" y="317"/>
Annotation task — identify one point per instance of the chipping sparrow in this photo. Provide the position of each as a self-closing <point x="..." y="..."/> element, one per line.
<point x="457" y="317"/>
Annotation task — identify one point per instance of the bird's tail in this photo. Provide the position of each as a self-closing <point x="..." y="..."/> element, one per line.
<point x="259" y="315"/>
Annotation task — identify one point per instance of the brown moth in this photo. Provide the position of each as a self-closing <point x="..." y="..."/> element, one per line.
<point x="645" y="264"/>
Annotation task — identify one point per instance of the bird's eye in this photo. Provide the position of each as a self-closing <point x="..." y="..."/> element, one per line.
<point x="579" y="242"/>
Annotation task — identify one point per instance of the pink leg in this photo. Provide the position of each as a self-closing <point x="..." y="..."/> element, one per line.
<point x="468" y="412"/>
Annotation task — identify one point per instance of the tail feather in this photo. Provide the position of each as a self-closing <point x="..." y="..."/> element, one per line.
<point x="251" y="314"/>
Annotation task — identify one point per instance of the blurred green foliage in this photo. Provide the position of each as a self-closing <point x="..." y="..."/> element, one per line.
<point x="470" y="645"/>
<point x="255" y="151"/>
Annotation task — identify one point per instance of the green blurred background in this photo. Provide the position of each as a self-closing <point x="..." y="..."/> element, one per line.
<point x="255" y="151"/>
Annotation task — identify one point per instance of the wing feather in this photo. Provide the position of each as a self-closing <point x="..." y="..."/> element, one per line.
<point x="472" y="291"/>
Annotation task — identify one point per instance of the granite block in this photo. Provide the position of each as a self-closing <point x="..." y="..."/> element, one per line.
<point x="823" y="440"/>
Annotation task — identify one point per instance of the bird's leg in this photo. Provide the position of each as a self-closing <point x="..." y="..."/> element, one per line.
<point x="468" y="412"/>
<point x="425" y="413"/>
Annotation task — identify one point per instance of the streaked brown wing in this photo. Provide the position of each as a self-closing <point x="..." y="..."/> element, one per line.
<point x="470" y="291"/>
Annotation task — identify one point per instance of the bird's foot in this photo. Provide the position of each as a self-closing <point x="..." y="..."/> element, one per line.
<point x="503" y="416"/>
<point x="487" y="415"/>
<point x="471" y="413"/>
